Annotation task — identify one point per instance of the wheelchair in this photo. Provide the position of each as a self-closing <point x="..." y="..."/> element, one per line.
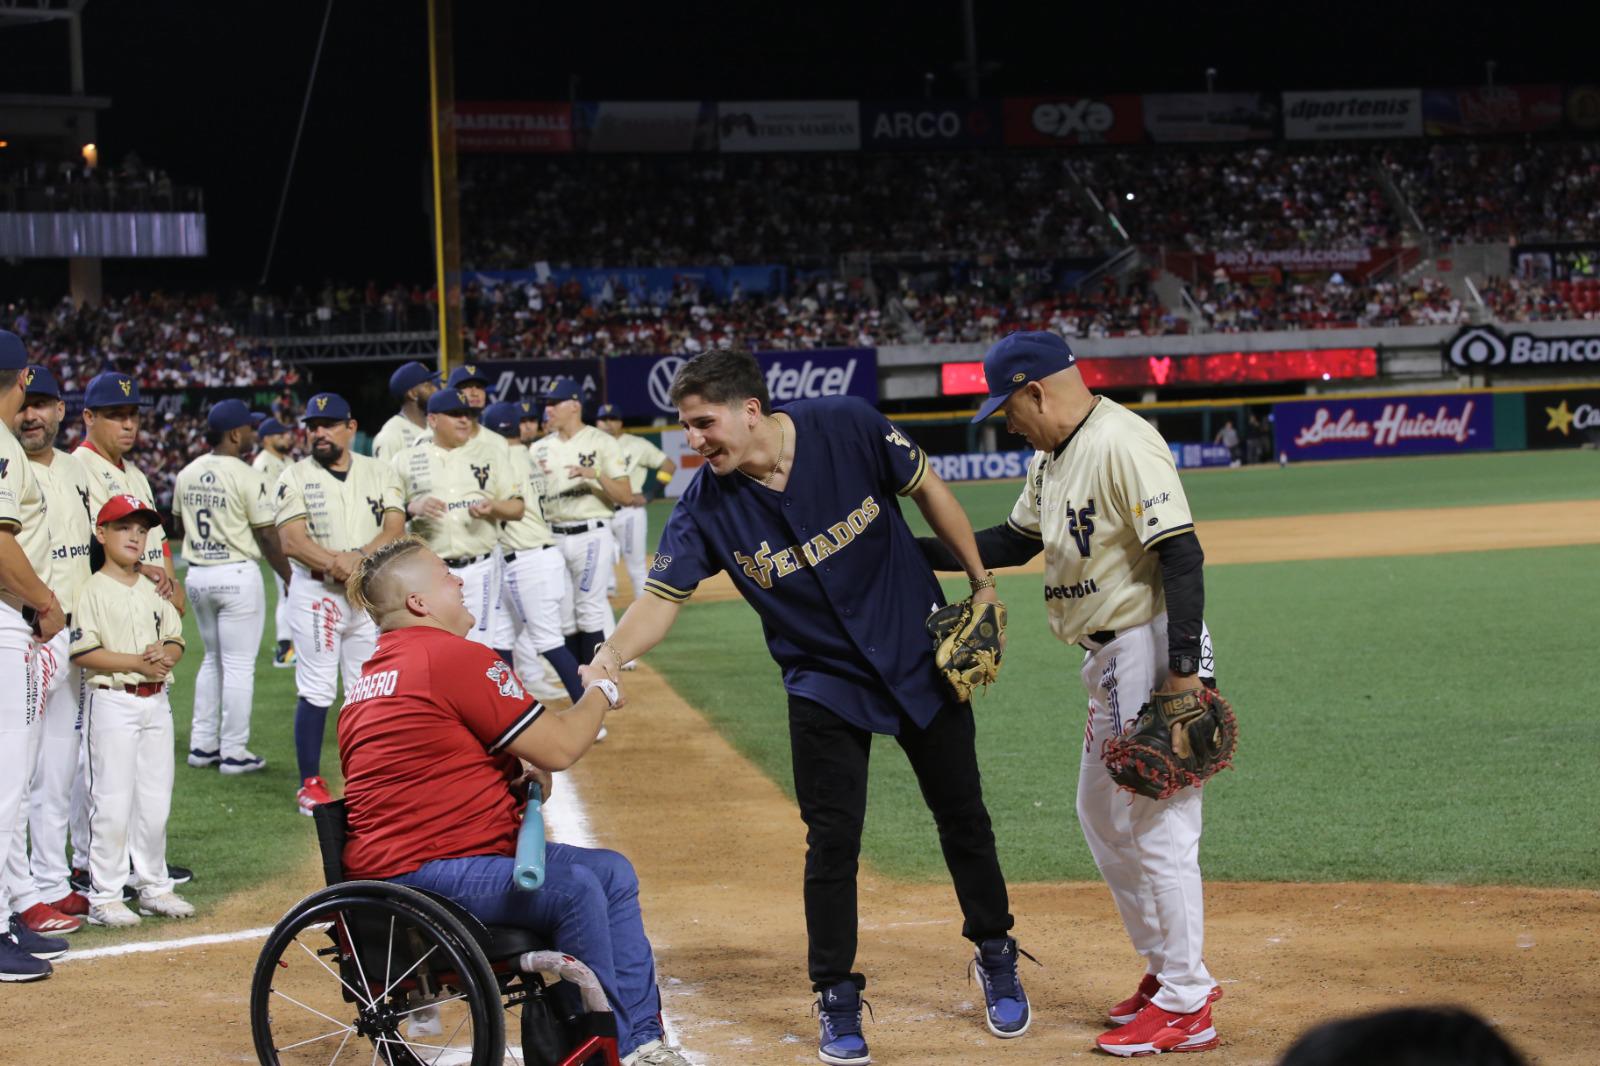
<point x="379" y="973"/>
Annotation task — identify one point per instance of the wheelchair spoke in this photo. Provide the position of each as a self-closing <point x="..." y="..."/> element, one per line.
<point x="385" y="993"/>
<point x="313" y="1010"/>
<point x="363" y="1000"/>
<point x="345" y="1029"/>
<point x="413" y="1048"/>
<point x="430" y="1003"/>
<point x="340" y="1049"/>
<point x="464" y="1019"/>
<point x="350" y="938"/>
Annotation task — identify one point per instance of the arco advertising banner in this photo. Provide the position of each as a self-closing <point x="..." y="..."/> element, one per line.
<point x="1051" y="121"/>
<point x="924" y="124"/>
<point x="513" y="126"/>
<point x="1352" y="113"/>
<point x="1366" y="428"/>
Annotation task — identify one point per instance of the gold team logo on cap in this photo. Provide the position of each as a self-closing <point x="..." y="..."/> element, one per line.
<point x="1018" y="376"/>
<point x="126" y="384"/>
<point x="322" y="403"/>
<point x="27" y="377"/>
<point x="527" y="408"/>
<point x="470" y="369"/>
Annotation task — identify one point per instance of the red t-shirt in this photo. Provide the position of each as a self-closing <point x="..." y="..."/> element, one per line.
<point x="422" y="738"/>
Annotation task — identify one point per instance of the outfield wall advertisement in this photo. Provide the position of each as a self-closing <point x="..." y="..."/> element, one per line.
<point x="1339" y="428"/>
<point x="640" y="384"/>
<point x="1189" y="118"/>
<point x="516" y="380"/>
<point x="1352" y="113"/>
<point x="1563" y="418"/>
<point x="1486" y="349"/>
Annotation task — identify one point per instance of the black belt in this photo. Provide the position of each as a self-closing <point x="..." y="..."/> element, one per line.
<point x="457" y="564"/>
<point x="511" y="556"/>
<point x="580" y="527"/>
<point x="1101" y="637"/>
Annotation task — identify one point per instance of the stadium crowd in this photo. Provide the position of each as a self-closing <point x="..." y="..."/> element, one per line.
<point x="1472" y="191"/>
<point x="1518" y="300"/>
<point x="1238" y="306"/>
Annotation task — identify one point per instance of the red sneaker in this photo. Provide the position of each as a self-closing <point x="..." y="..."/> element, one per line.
<point x="1124" y="1012"/>
<point x="43" y="918"/>
<point x="73" y="903"/>
<point x="1154" y="1031"/>
<point x="313" y="794"/>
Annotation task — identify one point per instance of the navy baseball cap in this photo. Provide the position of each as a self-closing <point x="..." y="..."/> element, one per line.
<point x="529" y="410"/>
<point x="38" y="381"/>
<point x="466" y="373"/>
<point x="326" y="405"/>
<point x="409" y="377"/>
<point x="607" y="410"/>
<point x="449" y="402"/>
<point x="271" y="427"/>
<point x="112" y="389"/>
<point x="13" y="353"/>
<point x="563" y="389"/>
<point x="504" y="418"/>
<point x="258" y="417"/>
<point x="1018" y="358"/>
<point x="227" y="414"/>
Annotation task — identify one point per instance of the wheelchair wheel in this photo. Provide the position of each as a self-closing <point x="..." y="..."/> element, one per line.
<point x="369" y="972"/>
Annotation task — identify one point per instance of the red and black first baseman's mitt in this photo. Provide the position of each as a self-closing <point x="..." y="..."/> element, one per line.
<point x="1179" y="739"/>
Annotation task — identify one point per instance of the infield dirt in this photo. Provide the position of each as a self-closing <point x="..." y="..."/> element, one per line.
<point x="719" y="849"/>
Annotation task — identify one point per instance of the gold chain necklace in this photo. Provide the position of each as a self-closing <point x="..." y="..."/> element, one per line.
<point x="777" y="464"/>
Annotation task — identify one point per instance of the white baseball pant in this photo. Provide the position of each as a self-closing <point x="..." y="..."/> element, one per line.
<point x="479" y="591"/>
<point x="629" y="529"/>
<point x="329" y="637"/>
<point x="20" y="728"/>
<point x="1147" y="850"/>
<point x="130" y="792"/>
<point x="589" y="556"/>
<point x="503" y="624"/>
<point x="534" y="585"/>
<point x="56" y="773"/>
<point x="229" y="602"/>
<point x="280" y="612"/>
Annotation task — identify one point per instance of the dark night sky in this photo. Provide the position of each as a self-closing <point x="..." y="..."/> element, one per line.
<point x="212" y="90"/>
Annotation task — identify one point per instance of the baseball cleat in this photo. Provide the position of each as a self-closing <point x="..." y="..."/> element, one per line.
<point x="1154" y="1031"/>
<point x="181" y="875"/>
<point x="167" y="905"/>
<point x="200" y="760"/>
<point x="115" y="915"/>
<point x="656" y="1053"/>
<point x="247" y="763"/>
<point x="79" y="881"/>
<point x="1006" y="1005"/>
<point x="313" y="794"/>
<point x="43" y="918"/>
<point x="840" y="1042"/>
<point x="74" y="904"/>
<point x="35" y="944"/>
<point x="18" y="965"/>
<point x="1124" y="1012"/>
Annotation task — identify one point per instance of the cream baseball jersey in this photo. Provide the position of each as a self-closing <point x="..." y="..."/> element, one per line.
<point x="460" y="477"/>
<point x="531" y="530"/>
<point x="23" y="506"/>
<point x="639" y="457"/>
<point x="221" y="499"/>
<point x="397" y="434"/>
<point x="576" y="499"/>
<point x="270" y="465"/>
<point x="1100" y="502"/>
<point x="342" y="513"/>
<point x="66" y="490"/>
<point x="125" y="619"/>
<point x="108" y="479"/>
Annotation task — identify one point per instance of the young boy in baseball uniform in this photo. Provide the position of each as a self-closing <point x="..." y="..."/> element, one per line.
<point x="127" y="639"/>
<point x="1123" y="581"/>
<point x="270" y="462"/>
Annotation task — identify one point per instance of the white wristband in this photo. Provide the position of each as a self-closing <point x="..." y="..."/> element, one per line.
<point x="609" y="688"/>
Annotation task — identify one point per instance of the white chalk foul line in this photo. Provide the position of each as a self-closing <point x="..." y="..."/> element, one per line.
<point x="144" y="946"/>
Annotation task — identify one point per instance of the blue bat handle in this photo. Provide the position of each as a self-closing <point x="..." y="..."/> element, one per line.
<point x="529" y="870"/>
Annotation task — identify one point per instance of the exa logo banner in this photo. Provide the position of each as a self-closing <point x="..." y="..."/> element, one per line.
<point x="1480" y="348"/>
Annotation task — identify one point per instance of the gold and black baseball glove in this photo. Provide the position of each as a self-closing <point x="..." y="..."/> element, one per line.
<point x="967" y="640"/>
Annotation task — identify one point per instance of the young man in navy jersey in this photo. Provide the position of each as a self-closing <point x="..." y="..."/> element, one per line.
<point x="799" y="508"/>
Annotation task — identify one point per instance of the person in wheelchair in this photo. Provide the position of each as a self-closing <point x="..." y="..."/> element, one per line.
<point x="432" y="739"/>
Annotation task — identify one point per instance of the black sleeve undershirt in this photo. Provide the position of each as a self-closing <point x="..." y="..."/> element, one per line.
<point x="998" y="546"/>
<point x="1184" y="583"/>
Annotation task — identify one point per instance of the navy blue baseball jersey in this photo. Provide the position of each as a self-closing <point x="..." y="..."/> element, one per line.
<point x="828" y="563"/>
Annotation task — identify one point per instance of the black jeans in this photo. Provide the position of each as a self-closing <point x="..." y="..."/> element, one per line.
<point x="830" y="782"/>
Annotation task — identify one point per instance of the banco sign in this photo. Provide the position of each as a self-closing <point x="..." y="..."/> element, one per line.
<point x="1485" y="348"/>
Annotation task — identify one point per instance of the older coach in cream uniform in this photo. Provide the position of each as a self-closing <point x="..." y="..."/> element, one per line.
<point x="585" y="481"/>
<point x="333" y="507"/>
<point x="457" y="493"/>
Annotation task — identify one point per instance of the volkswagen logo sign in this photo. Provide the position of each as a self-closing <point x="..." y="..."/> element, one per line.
<point x="660" y="382"/>
<point x="1476" y="348"/>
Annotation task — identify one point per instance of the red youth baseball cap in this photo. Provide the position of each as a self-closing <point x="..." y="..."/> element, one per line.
<point x="123" y="505"/>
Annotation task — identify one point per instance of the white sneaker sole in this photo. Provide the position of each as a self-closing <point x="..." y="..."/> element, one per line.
<point x="1001" y="1033"/>
<point x="203" y="764"/>
<point x="19" y="978"/>
<point x="834" y="1060"/>
<point x="235" y="771"/>
<point x="120" y="924"/>
<point x="1203" y="1041"/>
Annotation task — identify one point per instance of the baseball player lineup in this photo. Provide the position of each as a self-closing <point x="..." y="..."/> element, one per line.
<point x="530" y="508"/>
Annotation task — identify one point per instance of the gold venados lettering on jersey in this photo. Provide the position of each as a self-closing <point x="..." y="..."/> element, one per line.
<point x="765" y="563"/>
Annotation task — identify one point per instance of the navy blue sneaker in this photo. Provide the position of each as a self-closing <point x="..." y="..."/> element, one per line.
<point x="36" y="944"/>
<point x="18" y="965"/>
<point x="841" y="1042"/>
<point x="996" y="962"/>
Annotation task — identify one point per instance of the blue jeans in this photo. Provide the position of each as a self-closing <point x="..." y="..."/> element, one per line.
<point x="588" y="907"/>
